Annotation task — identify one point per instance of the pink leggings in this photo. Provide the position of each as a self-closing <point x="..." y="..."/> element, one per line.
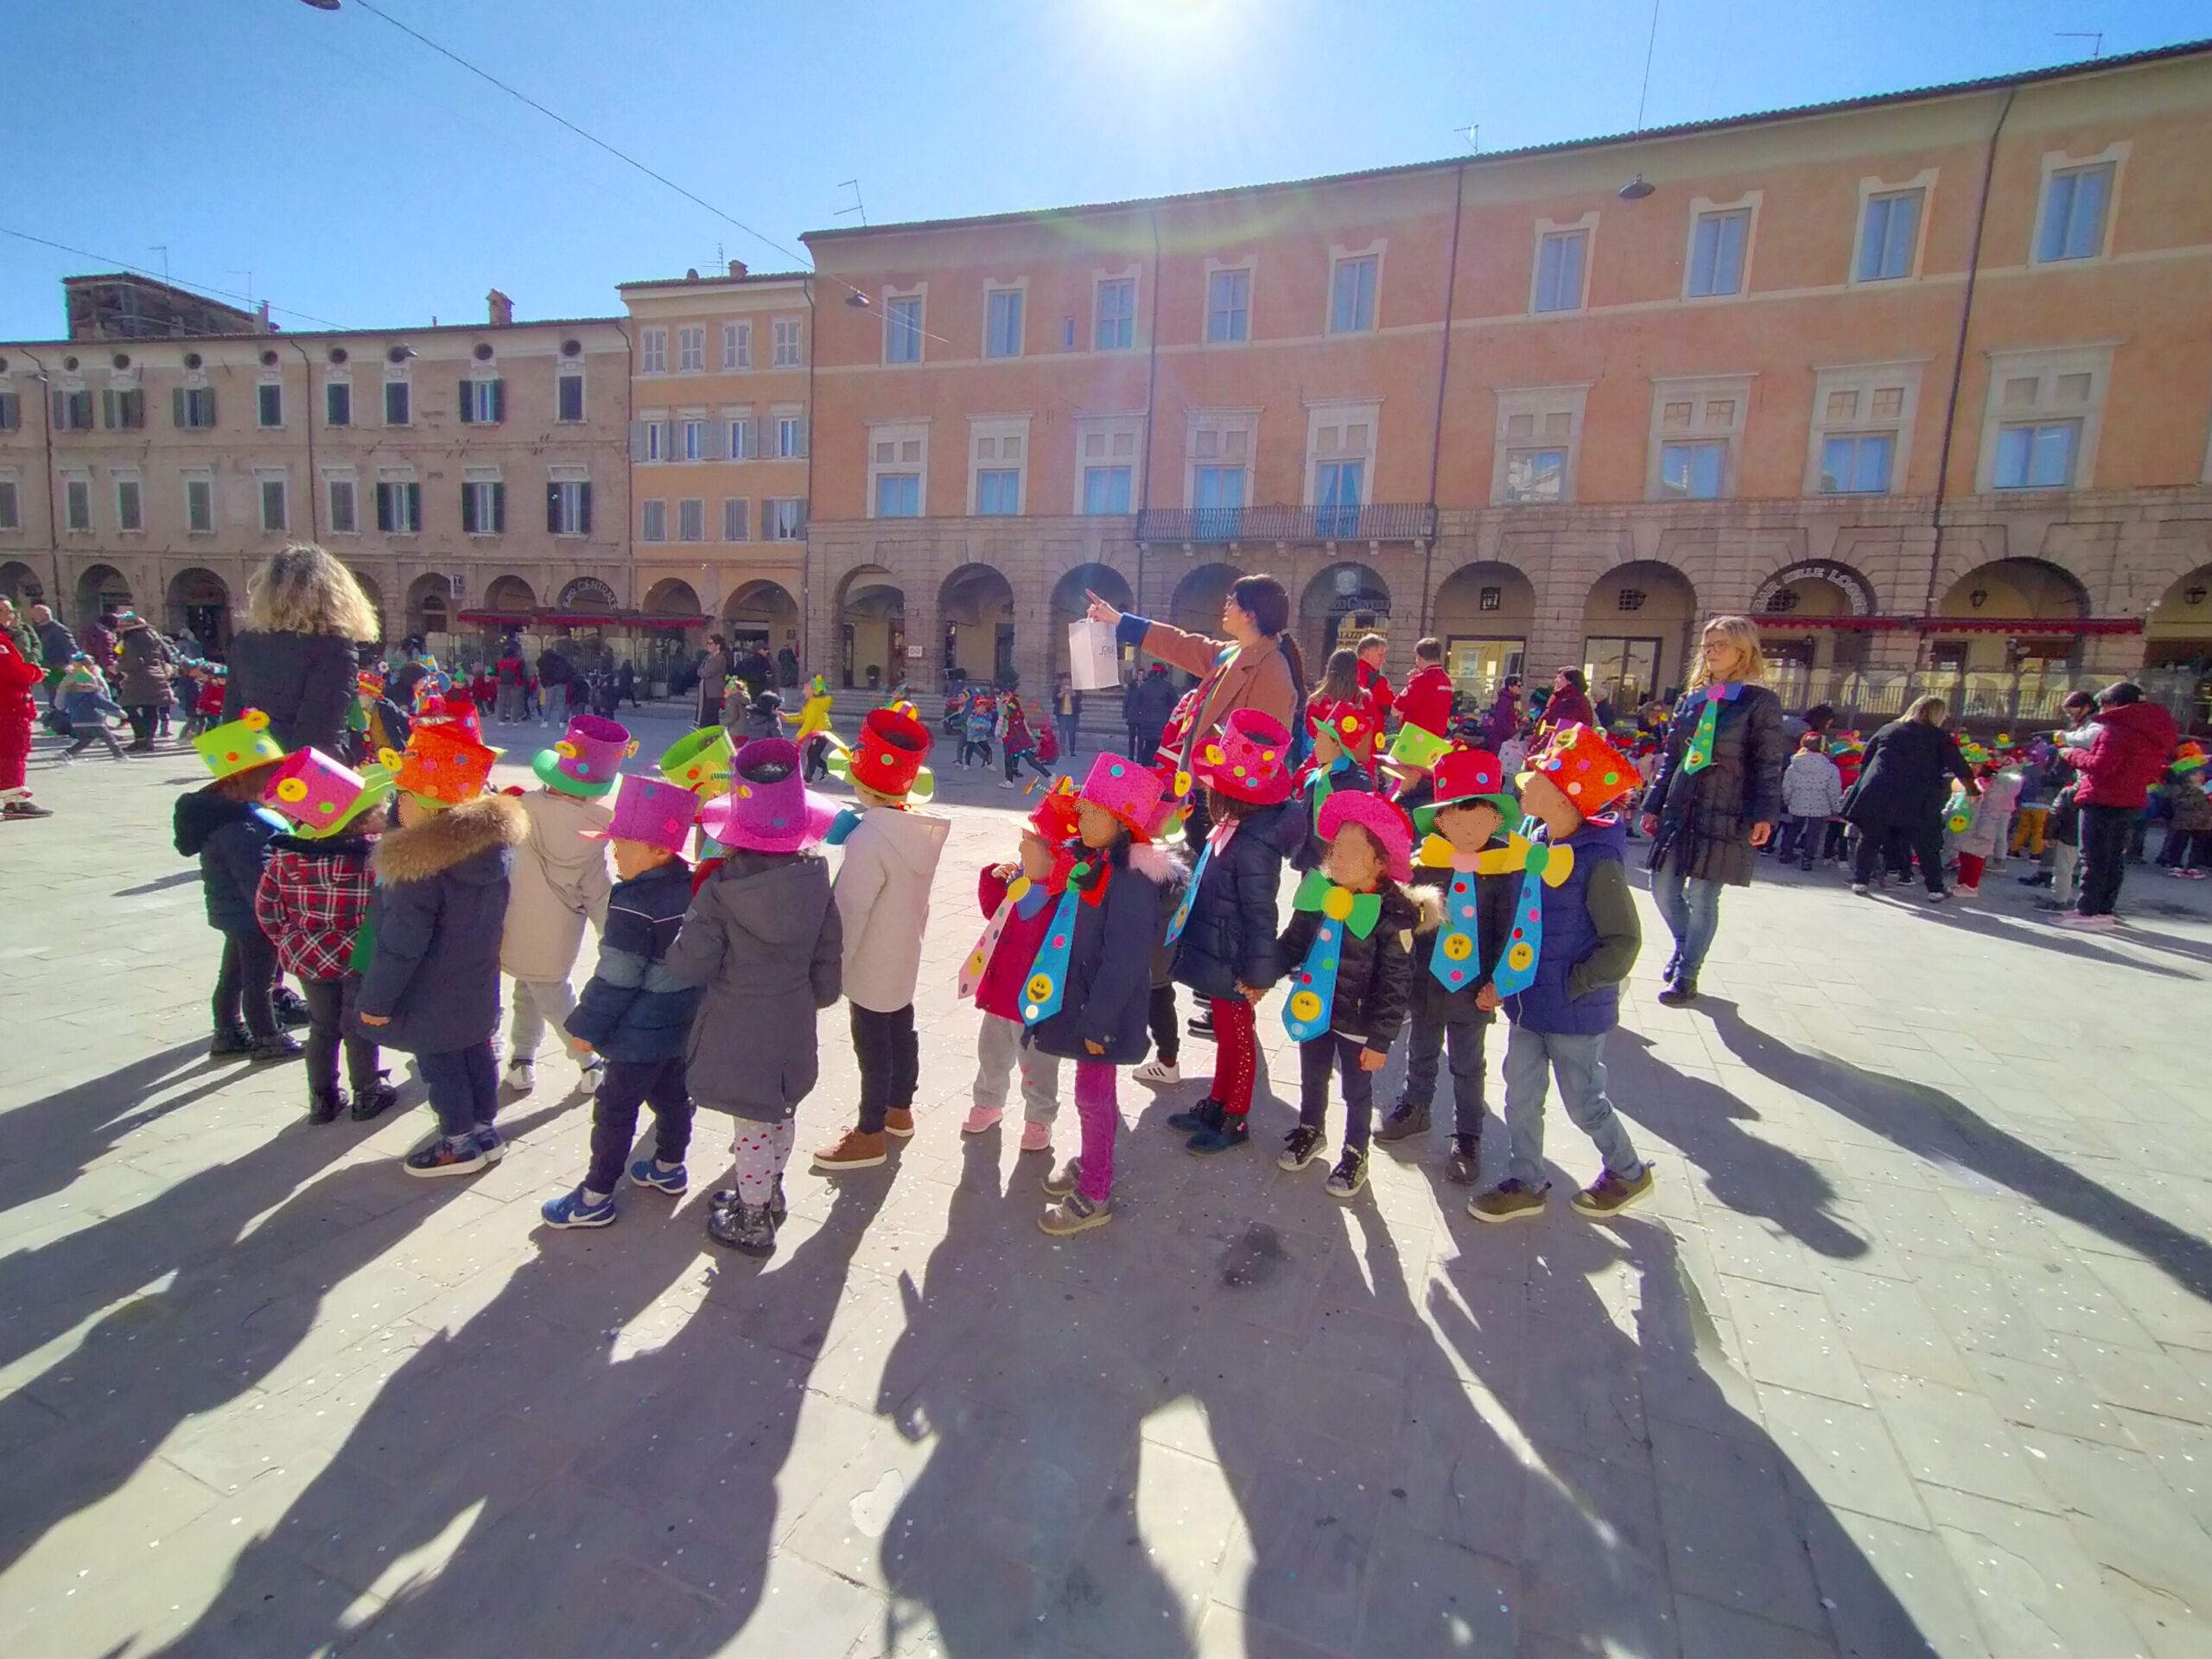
<point x="1099" y="1109"/>
<point x="1235" y="1053"/>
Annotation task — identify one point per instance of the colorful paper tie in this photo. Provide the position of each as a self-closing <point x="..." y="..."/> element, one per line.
<point x="1314" y="993"/>
<point x="1701" y="752"/>
<point x="1543" y="866"/>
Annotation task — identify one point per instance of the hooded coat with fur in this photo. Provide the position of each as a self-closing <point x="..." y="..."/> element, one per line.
<point x="441" y="904"/>
<point x="1109" y="963"/>
<point x="1374" y="974"/>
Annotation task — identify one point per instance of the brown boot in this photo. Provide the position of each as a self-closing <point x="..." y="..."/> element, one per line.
<point x="899" y="1121"/>
<point x="858" y="1150"/>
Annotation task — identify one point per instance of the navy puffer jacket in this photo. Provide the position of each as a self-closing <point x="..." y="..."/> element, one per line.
<point x="1230" y="939"/>
<point x="440" y="908"/>
<point x="231" y="839"/>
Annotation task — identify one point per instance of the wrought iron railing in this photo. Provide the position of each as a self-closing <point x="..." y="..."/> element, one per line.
<point x="1385" y="521"/>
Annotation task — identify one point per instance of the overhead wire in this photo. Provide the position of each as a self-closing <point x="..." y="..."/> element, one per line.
<point x="179" y="282"/>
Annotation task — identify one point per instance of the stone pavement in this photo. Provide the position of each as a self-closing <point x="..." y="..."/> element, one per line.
<point x="1911" y="1354"/>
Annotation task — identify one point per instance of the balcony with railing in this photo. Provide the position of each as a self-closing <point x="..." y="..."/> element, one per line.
<point x="1382" y="521"/>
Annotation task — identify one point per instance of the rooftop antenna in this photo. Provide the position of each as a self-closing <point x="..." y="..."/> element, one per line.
<point x="1473" y="134"/>
<point x="233" y="270"/>
<point x="858" y="206"/>
<point x="2094" y="36"/>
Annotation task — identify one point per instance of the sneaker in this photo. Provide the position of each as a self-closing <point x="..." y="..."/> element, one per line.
<point x="1075" y="1214"/>
<point x="282" y="1047"/>
<point x="899" y="1121"/>
<point x="1200" y="1026"/>
<point x="489" y="1143"/>
<point x="522" y="1076"/>
<point x="2074" y="918"/>
<point x="324" y="1108"/>
<point x="1937" y="896"/>
<point x="2040" y="879"/>
<point x="593" y="1063"/>
<point x="1465" y="1166"/>
<point x="1349" y="1174"/>
<point x="291" y="1008"/>
<point x="1405" y="1120"/>
<point x="26" y="809"/>
<point x="1611" y="1193"/>
<point x="1061" y="1182"/>
<point x="1860" y="889"/>
<point x="1206" y="1115"/>
<point x="1673" y="966"/>
<point x="573" y="1210"/>
<point x="1233" y="1130"/>
<point x="444" y="1157"/>
<point x="1006" y="783"/>
<point x="748" y="1227"/>
<point x="231" y="1039"/>
<point x="1300" y="1148"/>
<point x="1679" y="993"/>
<point x="374" y="1102"/>
<point x="1509" y="1200"/>
<point x="674" y="1182"/>
<point x="1158" y="1074"/>
<point x="981" y="1120"/>
<point x="1035" y="1136"/>
<point x="855" y="1149"/>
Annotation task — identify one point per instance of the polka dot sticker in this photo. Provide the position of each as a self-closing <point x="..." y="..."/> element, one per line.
<point x="1459" y="947"/>
<point x="1040" y="989"/>
<point x="1306" y="1006"/>
<point x="1519" y="956"/>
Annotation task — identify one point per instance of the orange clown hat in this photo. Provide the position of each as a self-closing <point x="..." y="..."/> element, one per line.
<point x="1585" y="768"/>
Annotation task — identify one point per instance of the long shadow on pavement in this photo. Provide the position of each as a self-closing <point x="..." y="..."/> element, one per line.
<point x="52" y="1140"/>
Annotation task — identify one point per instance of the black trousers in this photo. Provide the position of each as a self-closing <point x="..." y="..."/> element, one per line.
<point x="244" y="984"/>
<point x="1898" y="842"/>
<point x="1159" y="1015"/>
<point x="891" y="1063"/>
<point x="141" y="715"/>
<point x="464" y="1087"/>
<point x="329" y="1001"/>
<point x="2105" y="830"/>
<point x="1015" y="757"/>
<point x="1314" y="1060"/>
<point x="623" y="1087"/>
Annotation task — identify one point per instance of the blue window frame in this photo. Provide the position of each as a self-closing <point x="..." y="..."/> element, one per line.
<point x="1887" y="237"/>
<point x="2074" y="214"/>
<point x="1717" y="253"/>
<point x="1692" y="471"/>
<point x="2037" y="455"/>
<point x="1337" y="488"/>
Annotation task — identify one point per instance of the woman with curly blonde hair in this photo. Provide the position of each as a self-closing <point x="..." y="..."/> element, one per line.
<point x="297" y="661"/>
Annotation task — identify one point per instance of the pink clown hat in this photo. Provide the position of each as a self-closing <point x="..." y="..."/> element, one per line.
<point x="647" y="810"/>
<point x="1131" y="792"/>
<point x="320" y="795"/>
<point x="588" y="759"/>
<point x="1385" y="819"/>
<point x="768" y="808"/>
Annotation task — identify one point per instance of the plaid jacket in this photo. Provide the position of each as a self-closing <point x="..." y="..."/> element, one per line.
<point x="313" y="898"/>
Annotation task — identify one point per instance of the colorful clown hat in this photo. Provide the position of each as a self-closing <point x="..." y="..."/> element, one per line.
<point x="239" y="745"/>
<point x="658" y="814"/>
<point x="1131" y="792"/>
<point x="1383" y="819"/>
<point x="321" y="796"/>
<point x="2189" y="756"/>
<point x="1352" y="724"/>
<point x="1417" y="748"/>
<point x="1590" y="772"/>
<point x="369" y="685"/>
<point x="888" y="758"/>
<point x="1250" y="762"/>
<point x="699" y="761"/>
<point x="768" y="808"/>
<point x="1467" y="778"/>
<point x="587" y="759"/>
<point x="444" y="766"/>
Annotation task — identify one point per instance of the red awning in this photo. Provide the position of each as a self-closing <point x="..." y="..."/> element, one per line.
<point x="1781" y="622"/>
<point x="2032" y="627"/>
<point x="656" y="620"/>
<point x="495" y="618"/>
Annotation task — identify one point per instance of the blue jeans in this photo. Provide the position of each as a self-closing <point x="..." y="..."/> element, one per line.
<point x="1578" y="1064"/>
<point x="1691" y="907"/>
<point x="1065" y="726"/>
<point x="464" y="1086"/>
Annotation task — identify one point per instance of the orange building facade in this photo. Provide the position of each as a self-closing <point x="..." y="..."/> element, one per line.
<point x="1923" y="382"/>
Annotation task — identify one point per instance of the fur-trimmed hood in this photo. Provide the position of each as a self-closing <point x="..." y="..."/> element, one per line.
<point x="452" y="838"/>
<point x="1428" y="906"/>
<point x="1157" y="865"/>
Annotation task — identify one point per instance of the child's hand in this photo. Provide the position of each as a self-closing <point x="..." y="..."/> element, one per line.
<point x="1488" y="1000"/>
<point x="1372" y="1059"/>
<point x="580" y="1046"/>
<point x="376" y="1019"/>
<point x="1649" y="823"/>
<point x="1251" y="993"/>
<point x="1094" y="1048"/>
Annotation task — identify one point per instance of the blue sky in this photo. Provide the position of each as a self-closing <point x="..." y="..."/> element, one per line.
<point x="363" y="179"/>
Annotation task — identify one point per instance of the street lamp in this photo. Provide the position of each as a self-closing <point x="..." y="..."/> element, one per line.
<point x="1635" y="190"/>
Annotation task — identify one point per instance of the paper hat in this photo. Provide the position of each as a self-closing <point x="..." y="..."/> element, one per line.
<point x="658" y="814"/>
<point x="321" y="796"/>
<point x="587" y="759"/>
<point x="1384" y="819"/>
<point x="239" y="745"/>
<point x="768" y="808"/>
<point x="1054" y="819"/>
<point x="456" y="712"/>
<point x="1467" y="778"/>
<point x="700" y="761"/>
<point x="1131" y="792"/>
<point x="888" y="757"/>
<point x="1590" y="772"/>
<point x="1975" y="755"/>
<point x="371" y="683"/>
<point x="1250" y="762"/>
<point x="2189" y="757"/>
<point x="444" y="763"/>
<point x="1417" y="747"/>
<point x="1352" y="724"/>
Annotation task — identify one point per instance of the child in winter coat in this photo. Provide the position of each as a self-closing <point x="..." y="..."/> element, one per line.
<point x="1019" y="899"/>
<point x="1352" y="940"/>
<point x="764" y="937"/>
<point x="431" y="987"/>
<point x="2188" y="845"/>
<point x="634" y="1014"/>
<point x="313" y="899"/>
<point x="377" y="721"/>
<point x="1452" y="998"/>
<point x="1339" y="735"/>
<point x="1811" y="794"/>
<point x="981" y="722"/>
<point x="883" y="903"/>
<point x="1561" y="984"/>
<point x="1223" y="931"/>
<point x="1085" y="1000"/>
<point x="1017" y="740"/>
<point x="225" y="826"/>
<point x="559" y="882"/>
<point x="813" y="734"/>
<point x="1989" y="821"/>
<point x="85" y="705"/>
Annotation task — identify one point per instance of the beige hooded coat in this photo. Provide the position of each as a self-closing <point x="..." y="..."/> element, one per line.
<point x="560" y="878"/>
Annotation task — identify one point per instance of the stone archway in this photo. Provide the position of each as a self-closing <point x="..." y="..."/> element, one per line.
<point x="1343" y="604"/>
<point x="975" y="609"/>
<point x="1638" y="625"/>
<point x="871" y="641"/>
<point x="510" y="594"/>
<point x="101" y="587"/>
<point x="761" y="615"/>
<point x="1996" y="606"/>
<point x="200" y="601"/>
<point x="1069" y="603"/>
<point x="430" y="611"/>
<point x="1805" y="613"/>
<point x="1484" y="616"/>
<point x="1195" y="606"/>
<point x="2180" y="625"/>
<point x="20" y="584"/>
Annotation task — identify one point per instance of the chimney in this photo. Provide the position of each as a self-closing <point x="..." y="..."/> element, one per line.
<point x="737" y="267"/>
<point x="502" y="309"/>
<point x="264" y="309"/>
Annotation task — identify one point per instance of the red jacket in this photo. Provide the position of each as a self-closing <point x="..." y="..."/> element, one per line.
<point x="1569" y="707"/>
<point x="1426" y="700"/>
<point x="1372" y="681"/>
<point x="2127" y="752"/>
<point x="999" y="991"/>
<point x="18" y="708"/>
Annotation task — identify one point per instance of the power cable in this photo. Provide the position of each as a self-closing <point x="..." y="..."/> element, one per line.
<point x="175" y="282"/>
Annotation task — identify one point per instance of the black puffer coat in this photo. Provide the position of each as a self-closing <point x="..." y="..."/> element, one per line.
<point x="1904" y="776"/>
<point x="1494" y="901"/>
<point x="1374" y="974"/>
<point x="231" y="839"/>
<point x="440" y="909"/>
<point x="1705" y="817"/>
<point x="1109" y="978"/>
<point x="1230" y="939"/>
<point x="302" y="681"/>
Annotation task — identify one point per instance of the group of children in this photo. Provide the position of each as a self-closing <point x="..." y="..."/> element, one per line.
<point x="980" y="715"/>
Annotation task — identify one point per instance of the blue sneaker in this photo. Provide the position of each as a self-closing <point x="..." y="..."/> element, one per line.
<point x="571" y="1209"/>
<point x="439" y="1156"/>
<point x="488" y="1143"/>
<point x="646" y="1173"/>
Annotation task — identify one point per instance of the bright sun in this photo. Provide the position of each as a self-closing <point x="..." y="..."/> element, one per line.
<point x="1176" y="16"/>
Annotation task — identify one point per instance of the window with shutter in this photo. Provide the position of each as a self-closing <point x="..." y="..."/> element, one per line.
<point x="555" y="520"/>
<point x="11" y="411"/>
<point x="342" y="517"/>
<point x="498" y="509"/>
<point x="467" y="403"/>
<point x="128" y="512"/>
<point x="11" y="511"/>
<point x="583" y="509"/>
<point x="337" y="403"/>
<point x="269" y="405"/>
<point x="734" y="520"/>
<point x="571" y="398"/>
<point x="199" y="505"/>
<point x="396" y="404"/>
<point x="691" y="521"/>
<point x="468" y="510"/>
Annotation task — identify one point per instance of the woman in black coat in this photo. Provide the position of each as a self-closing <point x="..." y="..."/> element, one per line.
<point x="1709" y="810"/>
<point x="1904" y="781"/>
<point x="297" y="663"/>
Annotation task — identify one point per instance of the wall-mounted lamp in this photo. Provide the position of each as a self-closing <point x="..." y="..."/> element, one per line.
<point x="1637" y="188"/>
<point x="1978" y="598"/>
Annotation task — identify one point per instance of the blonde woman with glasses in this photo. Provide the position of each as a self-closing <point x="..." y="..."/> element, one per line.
<point x="295" y="661"/>
<point x="1718" y="794"/>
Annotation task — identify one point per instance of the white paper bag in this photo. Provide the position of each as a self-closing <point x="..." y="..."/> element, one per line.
<point x="1091" y="663"/>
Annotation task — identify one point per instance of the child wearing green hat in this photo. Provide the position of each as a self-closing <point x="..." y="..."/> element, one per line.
<point x="225" y="826"/>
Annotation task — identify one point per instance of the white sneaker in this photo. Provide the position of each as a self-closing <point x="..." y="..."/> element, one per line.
<point x="1006" y="783"/>
<point x="1158" y="1073"/>
<point x="522" y="1076"/>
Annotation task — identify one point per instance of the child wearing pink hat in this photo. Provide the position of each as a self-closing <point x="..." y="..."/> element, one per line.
<point x="1352" y="940"/>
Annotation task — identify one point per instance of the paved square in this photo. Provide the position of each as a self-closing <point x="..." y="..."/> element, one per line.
<point x="1910" y="1354"/>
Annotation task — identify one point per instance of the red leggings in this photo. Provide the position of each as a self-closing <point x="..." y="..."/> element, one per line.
<point x="1971" y="866"/>
<point x="1235" y="1053"/>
